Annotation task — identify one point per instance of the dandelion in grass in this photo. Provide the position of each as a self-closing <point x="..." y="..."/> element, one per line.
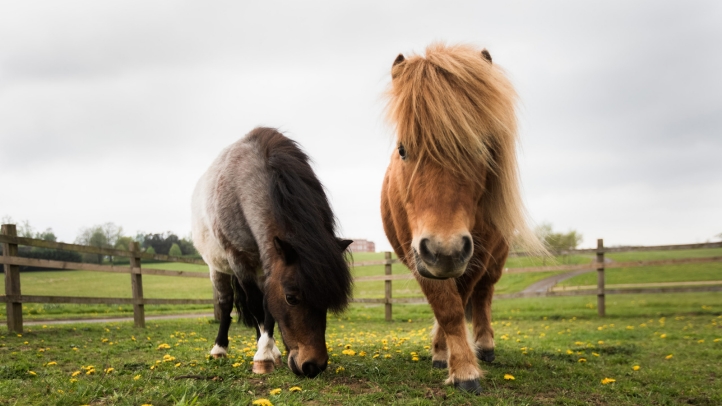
<point x="717" y="340"/>
<point x="595" y="354"/>
<point x="73" y="380"/>
<point x="607" y="381"/>
<point x="262" y="402"/>
<point x="663" y="336"/>
<point x="76" y="373"/>
<point x="32" y="373"/>
<point x="669" y="356"/>
<point x="294" y="389"/>
<point x="582" y="360"/>
<point x="636" y="368"/>
<point x="275" y="392"/>
<point x="136" y="378"/>
<point x="700" y="341"/>
<point x="51" y="363"/>
<point x="178" y="364"/>
<point x="163" y="346"/>
<point x="509" y="377"/>
<point x="109" y="370"/>
<point x="340" y="369"/>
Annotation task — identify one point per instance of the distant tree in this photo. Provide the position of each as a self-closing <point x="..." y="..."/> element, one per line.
<point x="47" y="235"/>
<point x="123" y="243"/>
<point x="175" y="251"/>
<point x="186" y="245"/>
<point x="557" y="243"/>
<point x="150" y="250"/>
<point x="161" y="243"/>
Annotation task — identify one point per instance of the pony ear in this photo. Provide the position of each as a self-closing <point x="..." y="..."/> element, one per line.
<point x="398" y="60"/>
<point x="285" y="250"/>
<point x="343" y="244"/>
<point x="486" y="55"/>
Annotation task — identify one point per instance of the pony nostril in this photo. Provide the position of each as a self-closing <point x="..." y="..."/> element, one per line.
<point x="426" y="254"/>
<point x="310" y="370"/>
<point x="466" y="249"/>
<point x="294" y="367"/>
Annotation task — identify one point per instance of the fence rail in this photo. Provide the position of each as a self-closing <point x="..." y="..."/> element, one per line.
<point x="14" y="299"/>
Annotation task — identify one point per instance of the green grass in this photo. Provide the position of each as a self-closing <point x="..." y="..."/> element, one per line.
<point x="658" y="255"/>
<point x="711" y="271"/>
<point x="533" y="337"/>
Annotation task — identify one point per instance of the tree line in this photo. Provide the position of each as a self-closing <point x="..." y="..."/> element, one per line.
<point x="108" y="235"/>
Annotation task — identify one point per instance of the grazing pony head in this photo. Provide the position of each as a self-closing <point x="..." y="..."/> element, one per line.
<point x="455" y="165"/>
<point x="308" y="274"/>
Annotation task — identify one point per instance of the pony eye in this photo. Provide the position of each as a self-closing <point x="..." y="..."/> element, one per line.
<point x="402" y="151"/>
<point x="292" y="300"/>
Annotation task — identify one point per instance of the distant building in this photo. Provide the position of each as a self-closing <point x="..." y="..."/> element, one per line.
<point x="359" y="245"/>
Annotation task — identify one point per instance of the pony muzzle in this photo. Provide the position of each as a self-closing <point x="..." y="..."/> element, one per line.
<point x="307" y="368"/>
<point x="443" y="260"/>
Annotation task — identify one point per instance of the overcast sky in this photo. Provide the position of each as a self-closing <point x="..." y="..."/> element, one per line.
<point x="111" y="111"/>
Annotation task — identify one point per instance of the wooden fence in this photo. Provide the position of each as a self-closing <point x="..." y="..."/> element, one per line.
<point x="14" y="298"/>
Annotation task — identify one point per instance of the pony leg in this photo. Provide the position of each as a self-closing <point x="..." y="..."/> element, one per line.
<point x="268" y="355"/>
<point x="481" y="319"/>
<point x="439" y="350"/>
<point x="222" y="285"/>
<point x="445" y="301"/>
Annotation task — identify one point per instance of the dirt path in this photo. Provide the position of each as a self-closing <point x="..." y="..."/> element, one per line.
<point x="117" y="319"/>
<point x="548" y="283"/>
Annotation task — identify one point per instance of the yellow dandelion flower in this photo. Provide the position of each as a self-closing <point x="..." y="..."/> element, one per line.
<point x="669" y="356"/>
<point x="570" y="352"/>
<point x="163" y="346"/>
<point x="152" y="367"/>
<point x="109" y="370"/>
<point x="137" y="377"/>
<point x="90" y="372"/>
<point x="600" y="342"/>
<point x="663" y="336"/>
<point x="146" y="404"/>
<point x="60" y="391"/>
<point x="595" y="354"/>
<point x="340" y="369"/>
<point x="376" y="355"/>
<point x="262" y="402"/>
<point x="362" y="354"/>
<point x="236" y="365"/>
<point x="582" y="360"/>
<point x="295" y="389"/>
<point x="606" y="381"/>
<point x="387" y="356"/>
<point x="275" y="392"/>
<point x="177" y="365"/>
<point x="717" y="340"/>
<point x="32" y="373"/>
<point x="415" y="359"/>
<point x="76" y="373"/>
<point x="700" y="341"/>
<point x="51" y="363"/>
<point x="509" y="377"/>
<point x="635" y="368"/>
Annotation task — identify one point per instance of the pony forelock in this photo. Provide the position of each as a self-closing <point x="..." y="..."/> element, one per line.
<point x="454" y="107"/>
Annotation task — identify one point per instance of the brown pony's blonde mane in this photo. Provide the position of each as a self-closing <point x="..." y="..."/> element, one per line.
<point x="456" y="108"/>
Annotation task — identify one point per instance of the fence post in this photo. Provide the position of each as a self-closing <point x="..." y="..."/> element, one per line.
<point x="387" y="283"/>
<point x="136" y="284"/>
<point x="600" y="278"/>
<point x="13" y="310"/>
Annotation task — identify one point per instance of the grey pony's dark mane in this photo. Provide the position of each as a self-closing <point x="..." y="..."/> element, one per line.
<point x="300" y="207"/>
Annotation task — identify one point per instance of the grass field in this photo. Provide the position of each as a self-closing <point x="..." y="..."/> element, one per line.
<point x="85" y="283"/>
<point x="675" y="340"/>
<point x="667" y="273"/>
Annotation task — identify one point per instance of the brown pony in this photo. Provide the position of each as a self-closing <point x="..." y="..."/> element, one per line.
<point x="263" y="224"/>
<point x="450" y="200"/>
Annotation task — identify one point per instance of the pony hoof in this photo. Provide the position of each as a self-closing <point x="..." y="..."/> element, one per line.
<point x="262" y="367"/>
<point x="486" y="355"/>
<point x="471" y="386"/>
<point x="439" y="364"/>
<point x="277" y="361"/>
<point x="217" y="356"/>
